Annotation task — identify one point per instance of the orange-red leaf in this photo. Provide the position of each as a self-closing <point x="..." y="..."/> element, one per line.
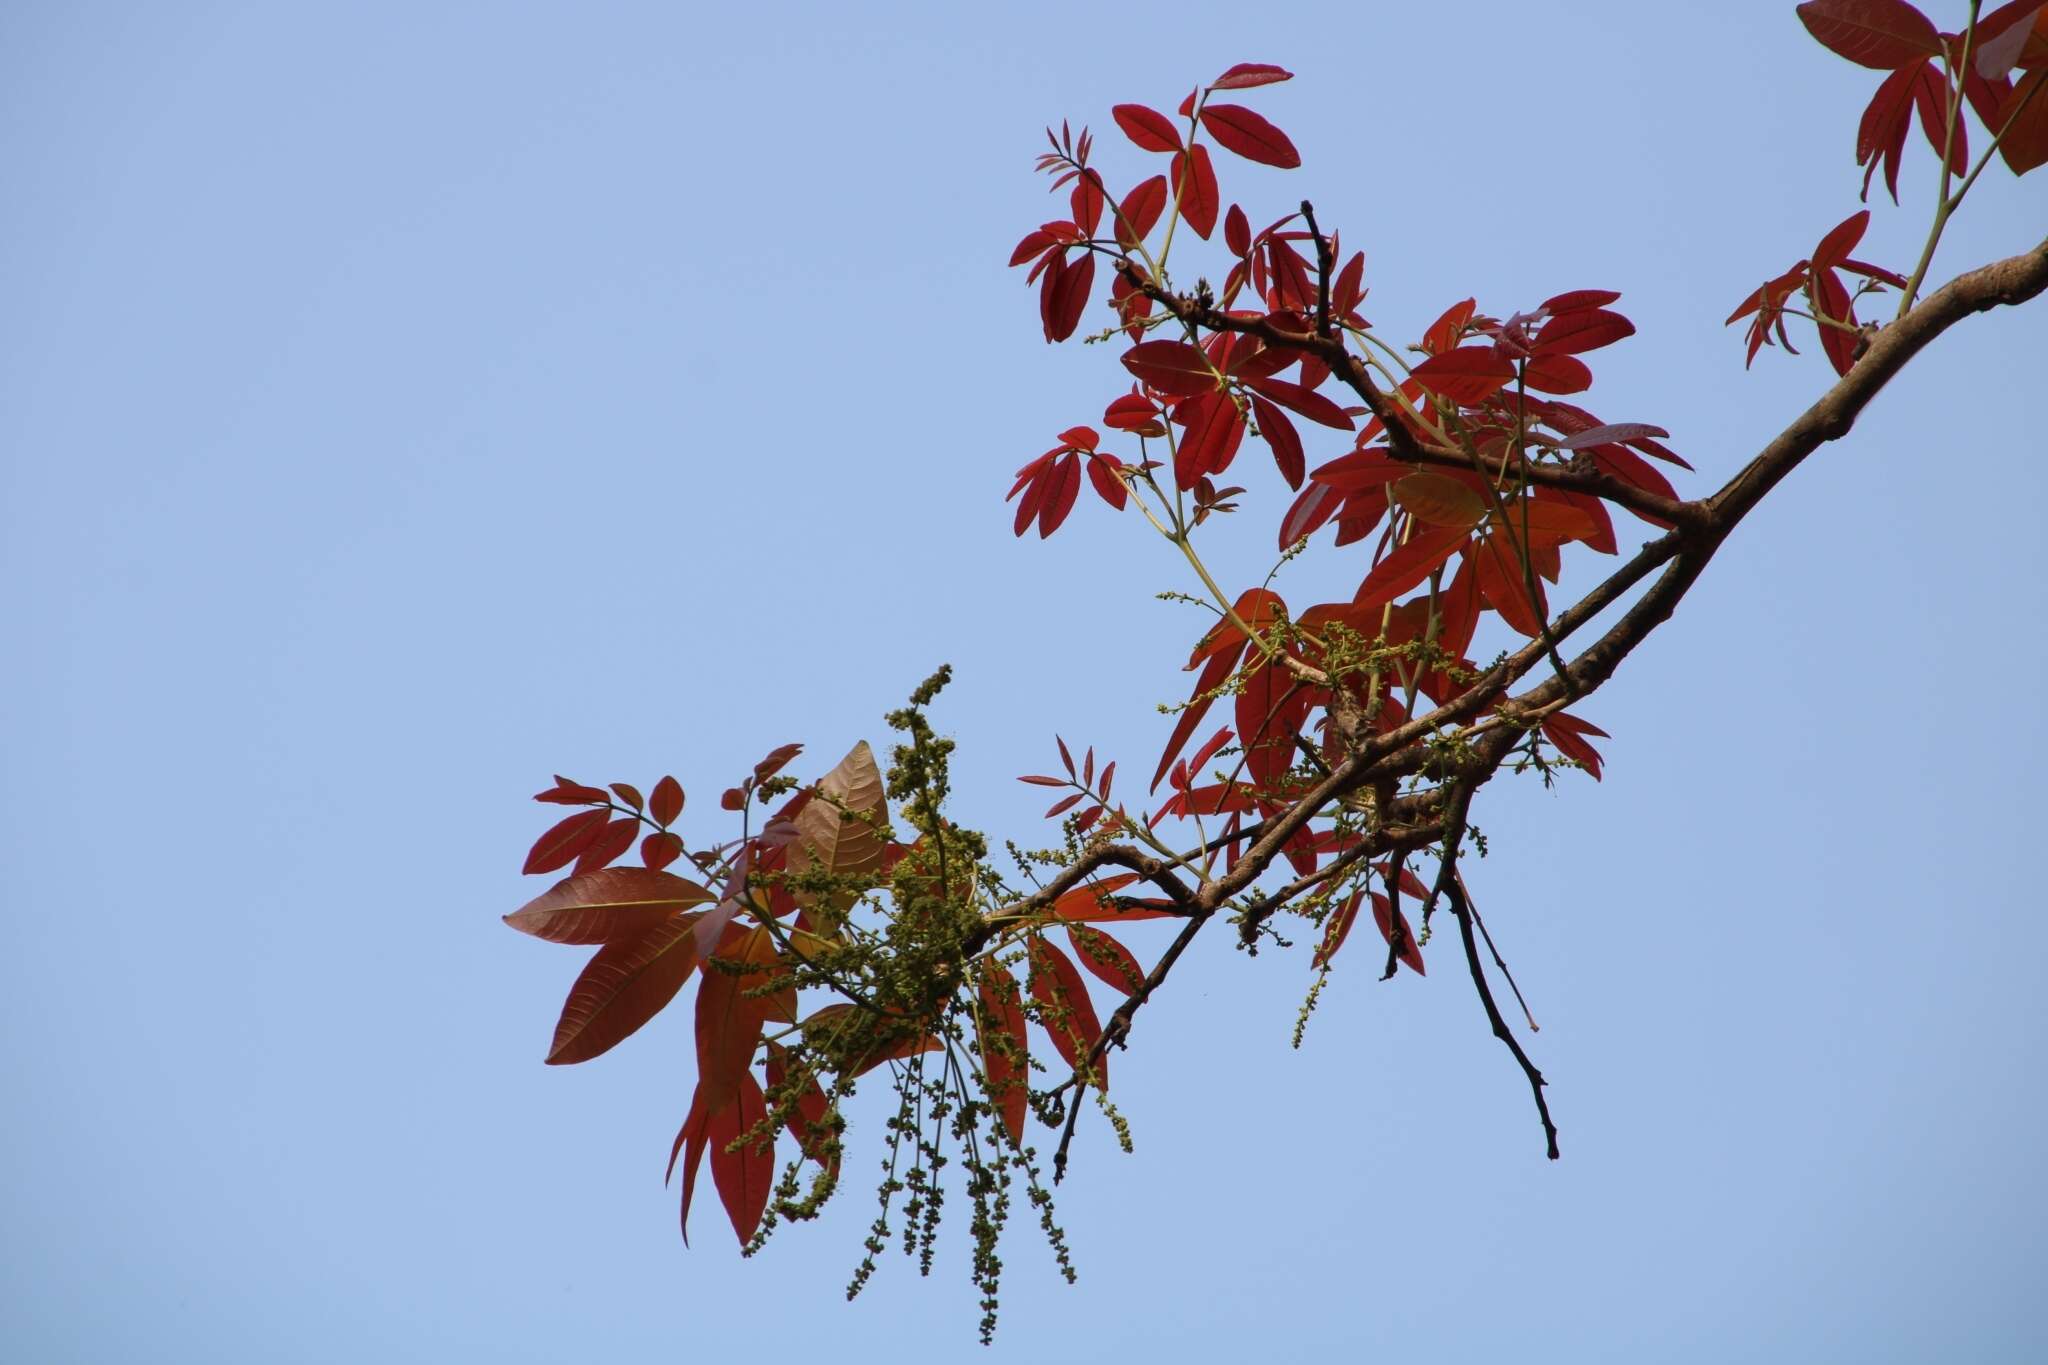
<point x="1427" y="547"/>
<point x="665" y="802"/>
<point x="1004" y="1056"/>
<point x="604" y="907"/>
<point x="559" y="846"/>
<point x="624" y="985"/>
<point x="1069" y="1015"/>
<point x="1109" y="960"/>
<point x="611" y="841"/>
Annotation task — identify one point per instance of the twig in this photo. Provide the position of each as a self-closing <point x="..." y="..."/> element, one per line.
<point x="1454" y="892"/>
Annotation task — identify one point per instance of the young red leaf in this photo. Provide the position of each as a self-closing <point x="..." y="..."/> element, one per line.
<point x="1215" y="430"/>
<point x="1240" y="130"/>
<point x="1316" y="505"/>
<point x="626" y="983"/>
<point x="1066" y="295"/>
<point x="1139" y="213"/>
<point x="1270" y="710"/>
<point x="1882" y="34"/>
<point x="1086" y="201"/>
<point x="1035" y="243"/>
<point x="1468" y="375"/>
<point x="665" y="803"/>
<point x="1427" y="547"/>
<point x="603" y="907"/>
<point x="1582" y="330"/>
<point x="564" y="841"/>
<point x="1173" y="368"/>
<point x="1506" y="586"/>
<point x="611" y="842"/>
<point x="1237" y="232"/>
<point x="1245" y="75"/>
<point x="1135" y="413"/>
<point x="1307" y="402"/>
<point x="1840" y="240"/>
<point x="1064" y="487"/>
<point x="1557" y="374"/>
<point x="1199" y="197"/>
<point x="1068" y="1013"/>
<point x="1150" y="129"/>
<point x="1108" y="960"/>
<point x="629" y="794"/>
<point x="1218" y="668"/>
<point x="1285" y="442"/>
<point x="567" y="793"/>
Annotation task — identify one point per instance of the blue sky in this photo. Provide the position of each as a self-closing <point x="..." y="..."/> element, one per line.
<point x="401" y="404"/>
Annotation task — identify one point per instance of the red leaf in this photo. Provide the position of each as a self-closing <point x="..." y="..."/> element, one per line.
<point x="1066" y="295"/>
<point x="659" y="850"/>
<point x="665" y="803"/>
<point x="1089" y="902"/>
<point x="1069" y="1015"/>
<point x="603" y="907"/>
<point x="1110" y="961"/>
<point x="1575" y="299"/>
<point x="1139" y="213"/>
<point x="567" y="793"/>
<point x="629" y="794"/>
<point x="1840" y="241"/>
<point x="999" y="1026"/>
<point x="1316" y="505"/>
<point x="1240" y="130"/>
<point x="1035" y="242"/>
<point x="1557" y="374"/>
<point x="1382" y="914"/>
<point x="1150" y="129"/>
<point x="1110" y="488"/>
<point x="1198" y="194"/>
<point x="1214" y="433"/>
<point x="1218" y="668"/>
<point x="745" y="1177"/>
<point x="563" y="842"/>
<point x="807" y="1124"/>
<point x="1336" y="929"/>
<point x="1427" y="547"/>
<point x="1059" y="498"/>
<point x="1505" y="585"/>
<point x="1445" y="332"/>
<point x="1237" y="232"/>
<point x="1173" y="368"/>
<point x="625" y="984"/>
<point x="1135" y="413"/>
<point x="1882" y="34"/>
<point x="1086" y="201"/>
<point x="1245" y="75"/>
<point x="611" y="841"/>
<point x="1582" y="330"/>
<point x="1286" y="445"/>
<point x="1270" y="709"/>
<point x="728" y="1020"/>
<point x="780" y="756"/>
<point x="1468" y="375"/>
<point x="1307" y="402"/>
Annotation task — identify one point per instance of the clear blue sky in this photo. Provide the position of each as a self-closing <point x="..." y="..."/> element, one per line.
<point x="399" y="404"/>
